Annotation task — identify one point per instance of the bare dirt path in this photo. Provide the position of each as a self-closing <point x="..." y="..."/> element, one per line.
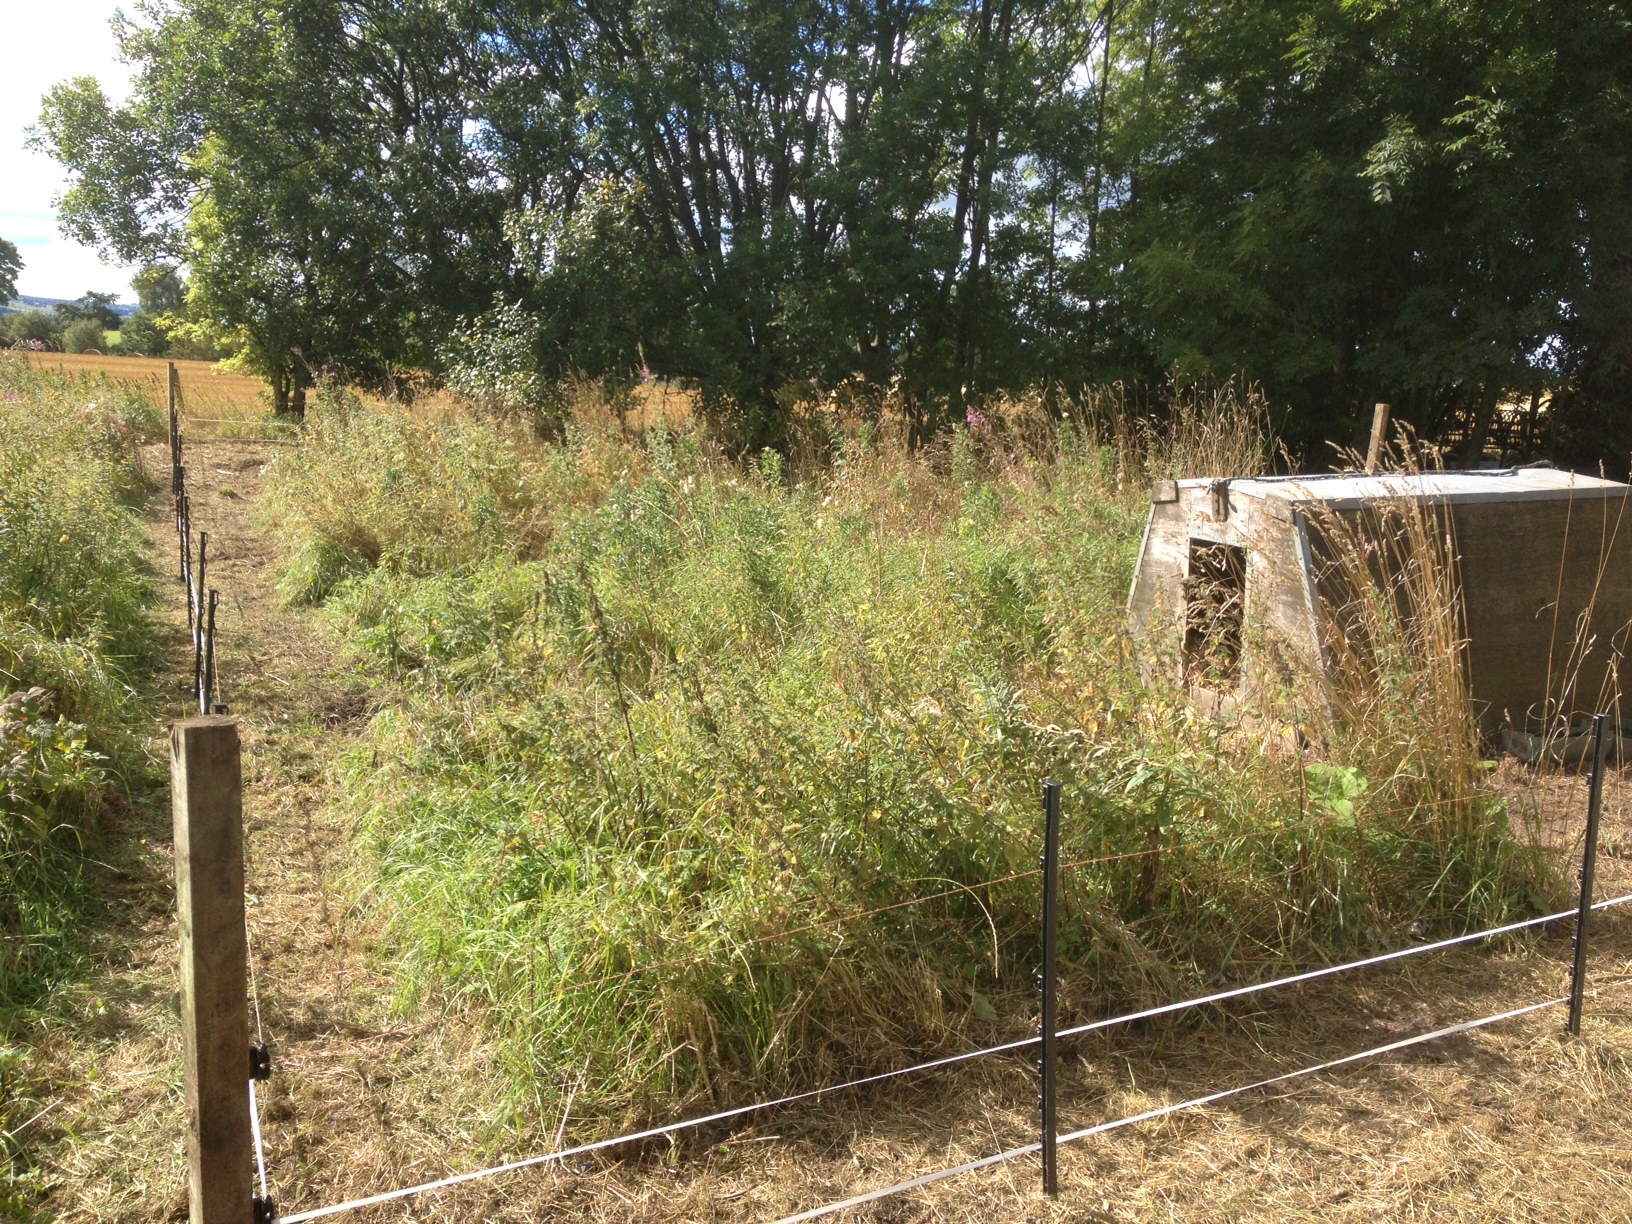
<point x="1514" y="1122"/>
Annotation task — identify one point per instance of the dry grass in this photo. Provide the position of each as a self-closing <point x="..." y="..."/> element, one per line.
<point x="633" y="410"/>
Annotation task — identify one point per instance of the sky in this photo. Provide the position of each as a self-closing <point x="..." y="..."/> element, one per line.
<point x="47" y="43"/>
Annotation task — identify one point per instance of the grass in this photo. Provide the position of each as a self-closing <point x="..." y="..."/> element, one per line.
<point x="72" y="635"/>
<point x="364" y="1101"/>
<point x="682" y="741"/>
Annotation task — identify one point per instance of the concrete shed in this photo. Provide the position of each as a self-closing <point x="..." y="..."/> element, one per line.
<point x="1234" y="593"/>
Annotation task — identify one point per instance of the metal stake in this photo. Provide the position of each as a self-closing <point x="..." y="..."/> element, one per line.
<point x="201" y="582"/>
<point x="195" y="623"/>
<point x="187" y="548"/>
<point x="181" y="527"/>
<point x="1589" y="863"/>
<point x="1048" y="1067"/>
<point x="209" y="658"/>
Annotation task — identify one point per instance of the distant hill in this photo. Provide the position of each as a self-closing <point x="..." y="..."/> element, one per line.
<point x="27" y="301"/>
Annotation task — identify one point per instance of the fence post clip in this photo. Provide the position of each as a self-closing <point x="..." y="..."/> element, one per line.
<point x="260" y="1062"/>
<point x="266" y="1211"/>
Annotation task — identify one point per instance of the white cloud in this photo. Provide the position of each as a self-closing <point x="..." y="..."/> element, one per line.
<point x="46" y="44"/>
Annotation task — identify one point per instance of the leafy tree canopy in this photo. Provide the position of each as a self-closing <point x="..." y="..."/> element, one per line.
<point x="39" y="326"/>
<point x="11" y="263"/>
<point x="1428" y="203"/>
<point x="91" y="307"/>
<point x="160" y="290"/>
<point x="140" y="335"/>
<point x="306" y="161"/>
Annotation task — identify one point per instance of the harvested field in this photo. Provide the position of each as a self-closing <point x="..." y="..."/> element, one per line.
<point x="209" y="390"/>
<point x="225" y="403"/>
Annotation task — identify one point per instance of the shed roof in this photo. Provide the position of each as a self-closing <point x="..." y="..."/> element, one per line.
<point x="1350" y="490"/>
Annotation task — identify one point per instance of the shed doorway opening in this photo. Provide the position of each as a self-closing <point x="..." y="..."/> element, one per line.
<point x="1215" y="600"/>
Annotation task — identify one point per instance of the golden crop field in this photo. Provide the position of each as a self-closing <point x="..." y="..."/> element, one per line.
<point x="216" y="402"/>
<point x="210" y="395"/>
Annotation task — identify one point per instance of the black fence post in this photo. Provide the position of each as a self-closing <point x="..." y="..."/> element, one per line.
<point x="184" y="534"/>
<point x="195" y="623"/>
<point x="175" y="427"/>
<point x="1048" y="1065"/>
<point x="187" y="546"/>
<point x="1589" y="863"/>
<point x="201" y="582"/>
<point x="206" y="697"/>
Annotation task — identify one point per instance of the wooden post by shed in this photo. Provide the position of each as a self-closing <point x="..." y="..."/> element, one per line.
<point x="1379" y="436"/>
<point x="207" y="806"/>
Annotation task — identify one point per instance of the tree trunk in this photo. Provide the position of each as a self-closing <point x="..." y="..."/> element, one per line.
<point x="1097" y="180"/>
<point x="280" y="392"/>
<point x="297" y="398"/>
<point x="289" y="392"/>
<point x="1530" y="419"/>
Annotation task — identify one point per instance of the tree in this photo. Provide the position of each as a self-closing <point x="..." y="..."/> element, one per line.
<point x="11" y="263"/>
<point x="82" y="335"/>
<point x="91" y="307"/>
<point x="1345" y="200"/>
<point x="1376" y="201"/>
<point x="807" y="192"/>
<point x="142" y="336"/>
<point x="160" y="290"/>
<point x="38" y="326"/>
<point x="307" y="161"/>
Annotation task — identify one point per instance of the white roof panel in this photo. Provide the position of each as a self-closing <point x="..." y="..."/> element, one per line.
<point x="1347" y="489"/>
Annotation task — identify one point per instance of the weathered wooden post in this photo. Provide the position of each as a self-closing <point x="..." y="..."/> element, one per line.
<point x="1379" y="435"/>
<point x="207" y="805"/>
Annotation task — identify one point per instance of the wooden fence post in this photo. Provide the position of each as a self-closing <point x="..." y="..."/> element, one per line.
<point x="207" y="805"/>
<point x="1379" y="437"/>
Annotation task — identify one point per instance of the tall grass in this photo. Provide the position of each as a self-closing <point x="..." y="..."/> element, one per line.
<point x="1396" y="690"/>
<point x="72" y="628"/>
<point x="680" y="742"/>
<point x="72" y="625"/>
<point x="1224" y="430"/>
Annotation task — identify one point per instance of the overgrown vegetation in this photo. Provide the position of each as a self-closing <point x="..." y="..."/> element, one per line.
<point x="683" y="742"/>
<point x="72" y="632"/>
